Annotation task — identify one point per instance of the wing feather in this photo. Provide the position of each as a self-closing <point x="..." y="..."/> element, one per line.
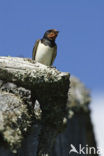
<point x="54" y="55"/>
<point x="35" y="49"/>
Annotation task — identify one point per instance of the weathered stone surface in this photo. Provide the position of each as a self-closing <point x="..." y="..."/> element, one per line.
<point x="22" y="83"/>
<point x="32" y="131"/>
<point x="24" y="72"/>
<point x="79" y="126"/>
<point x="15" y="113"/>
<point x="78" y="95"/>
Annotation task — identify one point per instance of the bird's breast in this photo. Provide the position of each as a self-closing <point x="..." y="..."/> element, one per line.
<point x="44" y="54"/>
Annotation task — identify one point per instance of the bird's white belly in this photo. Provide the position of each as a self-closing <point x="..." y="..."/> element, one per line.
<point x="44" y="54"/>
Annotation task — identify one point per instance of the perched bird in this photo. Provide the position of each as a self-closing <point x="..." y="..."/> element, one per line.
<point x="45" y="50"/>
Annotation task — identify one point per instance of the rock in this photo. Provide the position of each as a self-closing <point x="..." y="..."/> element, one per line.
<point x="41" y="113"/>
<point x="24" y="129"/>
<point x="79" y="125"/>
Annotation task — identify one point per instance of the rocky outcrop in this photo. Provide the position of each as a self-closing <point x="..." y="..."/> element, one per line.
<point x="41" y="113"/>
<point x="23" y="84"/>
<point x="79" y="131"/>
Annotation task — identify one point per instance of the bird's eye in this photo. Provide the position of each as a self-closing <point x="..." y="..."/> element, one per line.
<point x="50" y="30"/>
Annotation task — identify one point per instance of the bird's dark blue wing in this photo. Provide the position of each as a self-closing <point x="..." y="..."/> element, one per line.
<point x="54" y="55"/>
<point x="35" y="49"/>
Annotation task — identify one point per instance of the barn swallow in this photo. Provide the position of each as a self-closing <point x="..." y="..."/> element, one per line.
<point x="45" y="49"/>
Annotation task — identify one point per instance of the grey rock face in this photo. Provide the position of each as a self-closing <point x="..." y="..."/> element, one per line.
<point x="41" y="113"/>
<point x="79" y="126"/>
<point x="22" y="82"/>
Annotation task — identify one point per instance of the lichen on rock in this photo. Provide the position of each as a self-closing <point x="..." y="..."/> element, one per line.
<point x="15" y="118"/>
<point x="24" y="81"/>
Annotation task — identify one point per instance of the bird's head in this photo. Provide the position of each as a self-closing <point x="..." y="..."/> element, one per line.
<point x="51" y="34"/>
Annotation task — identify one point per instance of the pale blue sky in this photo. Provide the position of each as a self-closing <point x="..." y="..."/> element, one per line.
<point x="80" y="41"/>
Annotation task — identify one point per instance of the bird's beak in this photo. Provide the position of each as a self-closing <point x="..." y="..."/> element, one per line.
<point x="56" y="32"/>
<point x="53" y="34"/>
